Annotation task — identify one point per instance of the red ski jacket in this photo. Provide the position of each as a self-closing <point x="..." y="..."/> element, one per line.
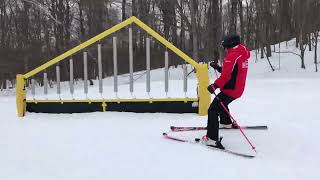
<point x="232" y="80"/>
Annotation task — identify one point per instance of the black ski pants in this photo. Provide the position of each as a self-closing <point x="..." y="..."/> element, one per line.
<point x="214" y="112"/>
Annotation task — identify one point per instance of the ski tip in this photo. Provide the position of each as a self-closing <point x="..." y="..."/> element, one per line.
<point x="171" y="127"/>
<point x="164" y="134"/>
<point x="197" y="139"/>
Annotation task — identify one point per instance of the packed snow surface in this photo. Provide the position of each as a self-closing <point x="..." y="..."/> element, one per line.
<point x="114" y="145"/>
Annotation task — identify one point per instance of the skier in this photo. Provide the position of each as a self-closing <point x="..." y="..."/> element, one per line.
<point x="231" y="83"/>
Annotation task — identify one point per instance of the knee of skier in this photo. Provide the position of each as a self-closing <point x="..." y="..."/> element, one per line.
<point x="214" y="106"/>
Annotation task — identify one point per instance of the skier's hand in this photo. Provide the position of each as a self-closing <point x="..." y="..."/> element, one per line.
<point x="215" y="65"/>
<point x="211" y="88"/>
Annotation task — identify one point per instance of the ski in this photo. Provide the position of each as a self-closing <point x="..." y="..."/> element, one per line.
<point x="177" y="129"/>
<point x="196" y="141"/>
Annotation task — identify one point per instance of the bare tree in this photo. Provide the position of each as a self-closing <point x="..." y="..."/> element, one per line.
<point x="315" y="45"/>
<point x="123" y="8"/>
<point x="193" y="11"/>
<point x="300" y="23"/>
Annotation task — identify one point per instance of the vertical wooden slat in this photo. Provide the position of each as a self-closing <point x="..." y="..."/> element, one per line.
<point x="45" y="83"/>
<point x="148" y="64"/>
<point x="166" y="72"/>
<point x="58" y="79"/>
<point x="100" y="69"/>
<point x="131" y="59"/>
<point x="33" y="88"/>
<point x="71" y="83"/>
<point x="115" y="64"/>
<point x="85" y="72"/>
<point x="185" y="80"/>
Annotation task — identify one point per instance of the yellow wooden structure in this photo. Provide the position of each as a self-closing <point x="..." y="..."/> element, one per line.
<point x="203" y="100"/>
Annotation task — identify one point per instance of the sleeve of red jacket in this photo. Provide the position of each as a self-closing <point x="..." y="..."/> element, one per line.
<point x="227" y="69"/>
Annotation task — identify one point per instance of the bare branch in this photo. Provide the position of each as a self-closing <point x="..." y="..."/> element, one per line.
<point x="288" y="52"/>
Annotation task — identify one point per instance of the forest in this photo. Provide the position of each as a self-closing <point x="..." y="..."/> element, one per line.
<point x="34" y="31"/>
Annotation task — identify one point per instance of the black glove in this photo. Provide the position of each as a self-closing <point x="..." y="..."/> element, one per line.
<point x="215" y="66"/>
<point x="212" y="88"/>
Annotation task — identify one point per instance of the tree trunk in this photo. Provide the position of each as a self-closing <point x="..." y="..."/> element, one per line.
<point x="262" y="53"/>
<point x="268" y="50"/>
<point x="182" y="36"/>
<point x="302" y="49"/>
<point x="134" y="8"/>
<point x="309" y="41"/>
<point x="303" y="66"/>
<point x="194" y="30"/>
<point x="123" y="10"/>
<point x="315" y="50"/>
<point x="247" y="39"/>
<point x="233" y="17"/>
<point x="267" y="22"/>
<point x="4" y="83"/>
<point x="241" y="19"/>
<point x="81" y="19"/>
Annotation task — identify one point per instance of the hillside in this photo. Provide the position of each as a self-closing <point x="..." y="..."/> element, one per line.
<point x="130" y="146"/>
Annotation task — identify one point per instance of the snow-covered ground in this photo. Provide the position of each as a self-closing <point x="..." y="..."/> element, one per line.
<point x="130" y="146"/>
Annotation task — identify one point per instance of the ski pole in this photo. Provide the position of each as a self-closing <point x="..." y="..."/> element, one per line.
<point x="216" y="73"/>
<point x="235" y="122"/>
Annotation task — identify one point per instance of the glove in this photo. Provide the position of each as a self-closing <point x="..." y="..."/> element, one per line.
<point x="212" y="88"/>
<point x="216" y="66"/>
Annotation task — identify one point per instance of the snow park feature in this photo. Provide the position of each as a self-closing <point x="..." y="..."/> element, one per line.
<point x="198" y="104"/>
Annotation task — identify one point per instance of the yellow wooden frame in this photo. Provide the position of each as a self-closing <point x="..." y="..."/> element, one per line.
<point x="115" y="100"/>
<point x="202" y="69"/>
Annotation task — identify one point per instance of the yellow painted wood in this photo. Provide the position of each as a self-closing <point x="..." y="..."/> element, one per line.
<point x="203" y="93"/>
<point x="115" y="100"/>
<point x="80" y="47"/>
<point x="104" y="106"/>
<point x="20" y="96"/>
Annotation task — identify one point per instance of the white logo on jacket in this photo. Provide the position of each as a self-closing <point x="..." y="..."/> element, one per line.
<point x="245" y="64"/>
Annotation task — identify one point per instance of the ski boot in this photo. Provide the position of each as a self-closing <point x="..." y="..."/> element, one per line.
<point x="209" y="142"/>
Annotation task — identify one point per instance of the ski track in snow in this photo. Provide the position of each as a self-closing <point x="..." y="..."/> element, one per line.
<point x="116" y="145"/>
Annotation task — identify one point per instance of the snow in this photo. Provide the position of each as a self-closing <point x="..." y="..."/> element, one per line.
<point x="115" y="145"/>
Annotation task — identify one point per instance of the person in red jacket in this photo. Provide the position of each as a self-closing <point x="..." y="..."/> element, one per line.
<point x="231" y="82"/>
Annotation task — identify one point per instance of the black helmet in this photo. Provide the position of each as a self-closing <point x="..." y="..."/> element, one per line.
<point x="230" y="41"/>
